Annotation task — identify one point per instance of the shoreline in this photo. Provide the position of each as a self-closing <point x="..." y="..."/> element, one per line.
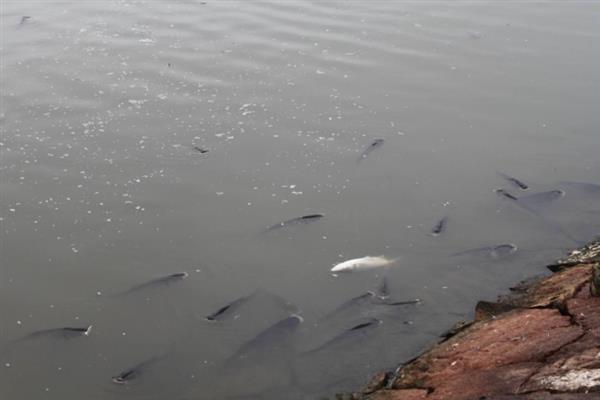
<point x="541" y="341"/>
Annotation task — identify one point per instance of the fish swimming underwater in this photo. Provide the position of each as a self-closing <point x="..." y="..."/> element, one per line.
<point x="362" y="264"/>
<point x="374" y="145"/>
<point x="132" y="373"/>
<point x="60" y="333"/>
<point x="533" y="202"/>
<point x="515" y="181"/>
<point x="295" y="221"/>
<point x="272" y="339"/>
<point x="440" y="227"/>
<point x="494" y="252"/>
<point x="584" y="187"/>
<point x="162" y="281"/>
<point x="24" y="19"/>
<point x="227" y="309"/>
<point x="199" y="149"/>
<point x="354" y="332"/>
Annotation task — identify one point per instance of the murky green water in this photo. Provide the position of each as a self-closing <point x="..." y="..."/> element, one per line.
<point x="105" y="105"/>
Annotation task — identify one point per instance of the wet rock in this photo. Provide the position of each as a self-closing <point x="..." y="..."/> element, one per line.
<point x="499" y="353"/>
<point x="585" y="255"/>
<point x="540" y="343"/>
<point x="405" y="394"/>
<point x="585" y="309"/>
<point x="455" y="329"/>
<point x="552" y="291"/>
<point x="595" y="282"/>
<point x="487" y="309"/>
<point x="377" y="382"/>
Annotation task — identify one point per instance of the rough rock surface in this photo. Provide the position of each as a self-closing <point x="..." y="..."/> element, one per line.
<point x="541" y="342"/>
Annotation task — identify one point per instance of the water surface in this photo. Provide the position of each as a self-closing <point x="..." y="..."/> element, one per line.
<point x="105" y="105"/>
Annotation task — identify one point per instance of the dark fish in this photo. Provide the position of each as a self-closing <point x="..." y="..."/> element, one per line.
<point x="199" y="149"/>
<point x="134" y="372"/>
<point x="401" y="303"/>
<point x="356" y="331"/>
<point x="273" y="338"/>
<point x="494" y="252"/>
<point x="357" y="301"/>
<point x="162" y="281"/>
<point x="60" y="333"/>
<point x="295" y="221"/>
<point x="515" y="181"/>
<point x="534" y="202"/>
<point x="542" y="199"/>
<point x="226" y="310"/>
<point x="374" y="145"/>
<point x="383" y="291"/>
<point x="589" y="188"/>
<point x="440" y="227"/>
<point x="504" y="193"/>
<point x="502" y="250"/>
<point x="24" y="19"/>
<point x="369" y="298"/>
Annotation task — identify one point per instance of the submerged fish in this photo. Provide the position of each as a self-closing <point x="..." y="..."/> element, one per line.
<point x="164" y="280"/>
<point x="295" y="221"/>
<point x="542" y="199"/>
<point x="383" y="291"/>
<point x="134" y="372"/>
<point x="24" y="19"/>
<point x="364" y="263"/>
<point x="374" y="145"/>
<point x="504" y="193"/>
<point x="227" y="309"/>
<point x="495" y="252"/>
<point x="515" y="182"/>
<point x="353" y="332"/>
<point x="440" y="227"/>
<point x="357" y="301"/>
<point x="381" y="298"/>
<point x="272" y="338"/>
<point x="585" y="187"/>
<point x="534" y="203"/>
<point x="199" y="149"/>
<point x="60" y="333"/>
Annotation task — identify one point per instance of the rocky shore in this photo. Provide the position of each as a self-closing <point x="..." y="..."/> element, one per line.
<point x="542" y="341"/>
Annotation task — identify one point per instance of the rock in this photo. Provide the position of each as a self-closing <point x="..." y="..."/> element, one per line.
<point x="455" y="329"/>
<point x="405" y="394"/>
<point x="487" y="309"/>
<point x="552" y="291"/>
<point x="590" y="253"/>
<point x="540" y="343"/>
<point x="595" y="282"/>
<point x="377" y="382"/>
<point x="490" y="356"/>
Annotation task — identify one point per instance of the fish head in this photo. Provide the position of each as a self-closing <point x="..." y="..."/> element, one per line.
<point x="346" y="266"/>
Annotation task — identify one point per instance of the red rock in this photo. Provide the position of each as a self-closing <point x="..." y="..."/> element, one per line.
<point x="404" y="394"/>
<point x="585" y="309"/>
<point x="531" y="353"/>
<point x="554" y="290"/>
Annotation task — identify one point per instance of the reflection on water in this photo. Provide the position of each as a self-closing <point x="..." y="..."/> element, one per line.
<point x="183" y="175"/>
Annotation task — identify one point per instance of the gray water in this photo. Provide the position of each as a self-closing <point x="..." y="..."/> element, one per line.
<point x="102" y="190"/>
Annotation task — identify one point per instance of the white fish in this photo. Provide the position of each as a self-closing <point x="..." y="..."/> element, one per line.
<point x="364" y="263"/>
